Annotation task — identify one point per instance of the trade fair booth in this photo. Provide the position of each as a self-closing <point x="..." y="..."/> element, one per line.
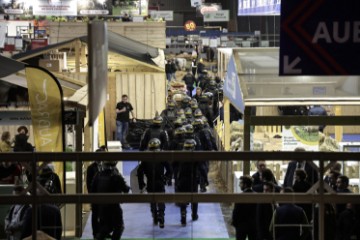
<point x="253" y="86"/>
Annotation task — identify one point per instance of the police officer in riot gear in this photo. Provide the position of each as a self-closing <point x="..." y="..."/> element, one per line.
<point x="169" y="115"/>
<point x="109" y="180"/>
<point x="189" y="115"/>
<point x="155" y="131"/>
<point x="188" y="181"/>
<point x="185" y="102"/>
<point x="212" y="88"/>
<point x="177" y="144"/>
<point x="206" y="145"/>
<point x="154" y="172"/>
<point x="205" y="107"/>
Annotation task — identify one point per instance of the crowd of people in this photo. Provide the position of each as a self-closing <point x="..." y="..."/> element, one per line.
<point x="18" y="221"/>
<point x="266" y="221"/>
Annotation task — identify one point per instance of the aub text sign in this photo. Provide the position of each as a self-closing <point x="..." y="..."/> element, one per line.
<point x="320" y="37"/>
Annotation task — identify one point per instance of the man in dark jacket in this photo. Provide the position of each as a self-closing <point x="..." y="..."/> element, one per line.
<point x="289" y="214"/>
<point x="188" y="181"/>
<point x="244" y="214"/>
<point x="48" y="220"/>
<point x="155" y="179"/>
<point x="311" y="173"/>
<point x="155" y="131"/>
<point x="189" y="80"/>
<point x="92" y="170"/>
<point x="109" y="180"/>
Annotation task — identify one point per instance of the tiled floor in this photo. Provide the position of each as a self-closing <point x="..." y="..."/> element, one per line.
<point x="138" y="221"/>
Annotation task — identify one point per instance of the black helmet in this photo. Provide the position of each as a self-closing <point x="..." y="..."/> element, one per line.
<point x="189" y="144"/>
<point x="189" y="128"/>
<point x="154" y="144"/>
<point x="179" y="131"/>
<point x="180" y="112"/>
<point x="212" y="83"/>
<point x="198" y="124"/>
<point x="193" y="100"/>
<point x="188" y="112"/>
<point x="204" y="98"/>
<point x="178" y="122"/>
<point x="171" y="105"/>
<point x="109" y="163"/>
<point x="198" y="113"/>
<point x="209" y="95"/>
<point x="194" y="106"/>
<point x="186" y="99"/>
<point x="157" y="120"/>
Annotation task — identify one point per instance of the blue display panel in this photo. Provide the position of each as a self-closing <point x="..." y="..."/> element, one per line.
<point x="258" y="7"/>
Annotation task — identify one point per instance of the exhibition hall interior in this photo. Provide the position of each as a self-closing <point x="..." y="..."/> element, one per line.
<point x="169" y="119"/>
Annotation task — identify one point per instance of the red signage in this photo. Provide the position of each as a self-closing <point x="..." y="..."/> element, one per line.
<point x="190" y="25"/>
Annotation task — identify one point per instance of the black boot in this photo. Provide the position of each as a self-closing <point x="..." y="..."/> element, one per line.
<point x="161" y="220"/>
<point x="155" y="218"/>
<point x="183" y="219"/>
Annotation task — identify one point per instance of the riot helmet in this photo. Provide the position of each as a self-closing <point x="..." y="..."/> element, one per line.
<point x="171" y="105"/>
<point x="198" y="113"/>
<point x="189" y="129"/>
<point x="212" y="84"/>
<point x="209" y="95"/>
<point x="194" y="106"/>
<point x="180" y="111"/>
<point x="154" y="144"/>
<point x="188" y="112"/>
<point x="198" y="124"/>
<point x="178" y="122"/>
<point x="158" y="120"/>
<point x="189" y="145"/>
<point x="179" y="132"/>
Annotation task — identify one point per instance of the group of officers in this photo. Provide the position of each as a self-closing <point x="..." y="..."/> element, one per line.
<point x="180" y="127"/>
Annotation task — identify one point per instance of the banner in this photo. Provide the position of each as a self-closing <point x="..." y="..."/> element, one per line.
<point x="45" y="96"/>
<point x="300" y="136"/>
<point x="166" y="15"/>
<point x="218" y="16"/>
<point x="55" y="8"/>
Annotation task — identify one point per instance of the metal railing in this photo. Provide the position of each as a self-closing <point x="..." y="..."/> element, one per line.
<point x="320" y="196"/>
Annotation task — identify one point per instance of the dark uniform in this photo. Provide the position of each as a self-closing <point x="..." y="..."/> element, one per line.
<point x="177" y="144"/>
<point x="48" y="221"/>
<point x="156" y="177"/>
<point x="92" y="170"/>
<point x="155" y="131"/>
<point x="215" y="100"/>
<point x="110" y="215"/>
<point x="188" y="181"/>
<point x="206" y="145"/>
<point x="189" y="80"/>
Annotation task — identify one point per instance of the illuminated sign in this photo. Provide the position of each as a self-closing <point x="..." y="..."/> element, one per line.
<point x="190" y="25"/>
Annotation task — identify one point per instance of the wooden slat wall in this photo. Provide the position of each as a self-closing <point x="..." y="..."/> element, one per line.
<point x="347" y="111"/>
<point x="146" y="91"/>
<point x="150" y="33"/>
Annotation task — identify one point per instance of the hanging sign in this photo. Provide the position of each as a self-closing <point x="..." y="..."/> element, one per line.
<point x="218" y="16"/>
<point x="190" y="26"/>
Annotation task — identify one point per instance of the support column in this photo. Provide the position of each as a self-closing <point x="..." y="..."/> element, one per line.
<point x="247" y="138"/>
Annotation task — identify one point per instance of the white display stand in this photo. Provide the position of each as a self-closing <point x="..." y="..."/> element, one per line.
<point x="115" y="146"/>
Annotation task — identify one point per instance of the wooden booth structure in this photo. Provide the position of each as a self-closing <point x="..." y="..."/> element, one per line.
<point x="135" y="68"/>
<point x="261" y="88"/>
<point x="135" y="64"/>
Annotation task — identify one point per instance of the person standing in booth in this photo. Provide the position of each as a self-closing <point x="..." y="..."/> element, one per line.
<point x="123" y="110"/>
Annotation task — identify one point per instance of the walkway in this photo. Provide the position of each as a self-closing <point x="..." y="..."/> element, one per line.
<point x="138" y="220"/>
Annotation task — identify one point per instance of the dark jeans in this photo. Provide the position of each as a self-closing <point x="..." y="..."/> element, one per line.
<point x="122" y="129"/>
<point x="245" y="231"/>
